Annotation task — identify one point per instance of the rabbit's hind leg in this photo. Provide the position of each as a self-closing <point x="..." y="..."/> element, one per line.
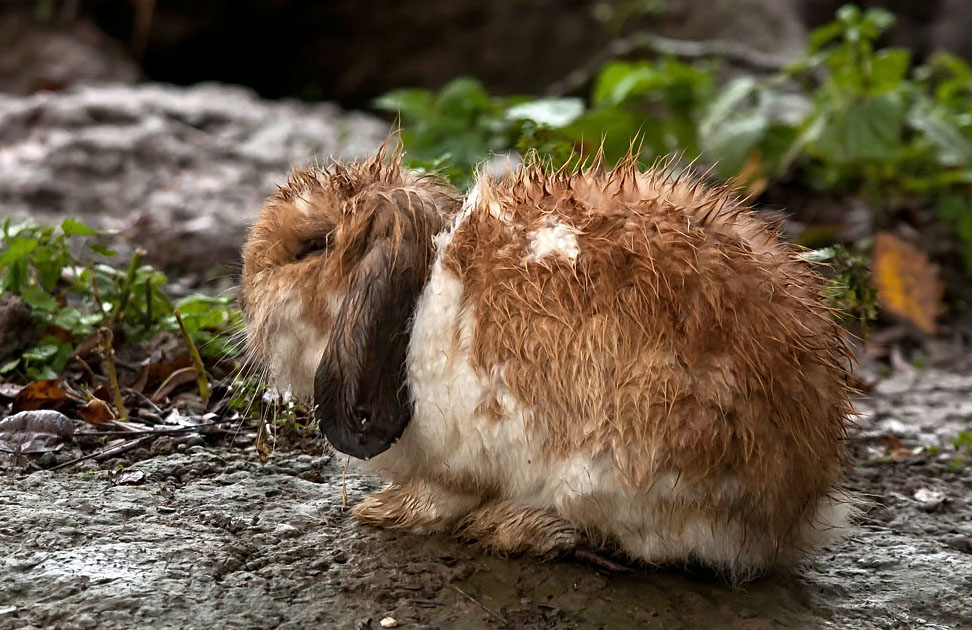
<point x="507" y="528"/>
<point x="416" y="506"/>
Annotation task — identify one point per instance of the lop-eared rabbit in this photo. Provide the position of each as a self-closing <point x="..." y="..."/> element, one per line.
<point x="627" y="359"/>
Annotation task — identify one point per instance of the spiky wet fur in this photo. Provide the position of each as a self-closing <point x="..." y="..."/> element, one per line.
<point x="632" y="356"/>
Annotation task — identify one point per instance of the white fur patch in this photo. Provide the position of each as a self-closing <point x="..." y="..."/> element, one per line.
<point x="302" y="202"/>
<point x="469" y="204"/>
<point x="296" y="348"/>
<point x="554" y="239"/>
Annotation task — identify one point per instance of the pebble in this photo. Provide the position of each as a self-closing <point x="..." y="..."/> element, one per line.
<point x="286" y="530"/>
<point x="929" y="500"/>
<point x="388" y="622"/>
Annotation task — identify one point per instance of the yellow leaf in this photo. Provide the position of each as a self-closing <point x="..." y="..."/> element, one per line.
<point x="907" y="282"/>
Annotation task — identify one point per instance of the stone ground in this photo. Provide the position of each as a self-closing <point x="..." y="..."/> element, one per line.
<point x="214" y="540"/>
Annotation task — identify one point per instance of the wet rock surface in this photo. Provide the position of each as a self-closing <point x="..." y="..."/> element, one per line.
<point x="212" y="539"/>
<point x="206" y="537"/>
<point x="179" y="171"/>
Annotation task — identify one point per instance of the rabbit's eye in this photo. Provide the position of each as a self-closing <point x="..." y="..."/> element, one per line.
<point x="314" y="246"/>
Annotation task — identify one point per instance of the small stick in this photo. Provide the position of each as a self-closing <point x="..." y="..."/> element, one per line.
<point x="344" y="484"/>
<point x="145" y="399"/>
<point x="110" y="450"/>
<point x="598" y="561"/>
<point x="480" y="604"/>
<point x="168" y="379"/>
<point x="87" y="369"/>
<point x="108" y="355"/>
<point x="169" y="431"/>
<point x="197" y="361"/>
<point x="261" y="444"/>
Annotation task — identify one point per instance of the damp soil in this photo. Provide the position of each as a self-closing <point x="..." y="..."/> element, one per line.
<point x="212" y="539"/>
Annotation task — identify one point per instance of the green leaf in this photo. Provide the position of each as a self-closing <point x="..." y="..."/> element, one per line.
<point x="73" y="227"/>
<point x="18" y="249"/>
<point x="9" y="366"/>
<point x="68" y="318"/>
<point x="40" y="373"/>
<point x="91" y="319"/>
<point x="732" y="141"/>
<point x="606" y="90"/>
<point x="732" y="126"/>
<point x="869" y="129"/>
<point x="41" y="352"/>
<point x="556" y="112"/>
<point x="882" y="19"/>
<point x="888" y="69"/>
<point x="952" y="148"/>
<point x="817" y="255"/>
<point x="464" y="98"/>
<point x="101" y="249"/>
<point x="957" y="209"/>
<point x="824" y="35"/>
<point x="413" y="104"/>
<point x="616" y="128"/>
<point x="39" y="300"/>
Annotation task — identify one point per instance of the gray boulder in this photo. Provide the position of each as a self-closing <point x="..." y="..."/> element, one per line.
<point x="178" y="171"/>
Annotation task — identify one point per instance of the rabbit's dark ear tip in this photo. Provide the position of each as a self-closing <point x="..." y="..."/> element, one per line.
<point x="365" y="440"/>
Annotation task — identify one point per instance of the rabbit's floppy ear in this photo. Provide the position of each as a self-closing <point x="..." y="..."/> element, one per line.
<point x="362" y="402"/>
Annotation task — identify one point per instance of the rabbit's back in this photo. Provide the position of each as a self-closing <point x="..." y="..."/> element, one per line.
<point x="638" y="352"/>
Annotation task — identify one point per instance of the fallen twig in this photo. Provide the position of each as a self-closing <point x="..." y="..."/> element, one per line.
<point x="166" y="431"/>
<point x="495" y="614"/>
<point x="87" y="368"/>
<point x="118" y="449"/>
<point x="108" y="356"/>
<point x="598" y="561"/>
<point x="344" y="484"/>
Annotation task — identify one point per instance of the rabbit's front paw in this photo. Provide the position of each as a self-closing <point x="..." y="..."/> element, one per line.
<point x="414" y="506"/>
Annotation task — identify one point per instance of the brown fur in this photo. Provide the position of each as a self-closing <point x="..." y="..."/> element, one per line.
<point x="684" y="341"/>
<point x="685" y="337"/>
<point x="504" y="527"/>
<point x="346" y="206"/>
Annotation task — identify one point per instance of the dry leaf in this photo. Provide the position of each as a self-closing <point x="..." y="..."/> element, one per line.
<point x="907" y="282"/>
<point x="127" y="477"/>
<point x="96" y="411"/>
<point x="35" y="431"/>
<point x="48" y="394"/>
<point x="154" y="374"/>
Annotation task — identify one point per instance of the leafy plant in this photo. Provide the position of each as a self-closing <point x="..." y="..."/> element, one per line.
<point x="849" y="116"/>
<point x="72" y="294"/>
<point x="850" y="291"/>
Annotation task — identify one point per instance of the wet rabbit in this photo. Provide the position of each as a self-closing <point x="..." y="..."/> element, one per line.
<point x="630" y="359"/>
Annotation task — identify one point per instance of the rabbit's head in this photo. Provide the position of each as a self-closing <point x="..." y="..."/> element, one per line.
<point x="332" y="269"/>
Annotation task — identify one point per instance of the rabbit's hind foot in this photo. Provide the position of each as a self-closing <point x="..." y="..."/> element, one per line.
<point x="507" y="528"/>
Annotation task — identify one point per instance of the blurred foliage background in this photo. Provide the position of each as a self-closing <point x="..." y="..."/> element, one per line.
<point x="855" y="119"/>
